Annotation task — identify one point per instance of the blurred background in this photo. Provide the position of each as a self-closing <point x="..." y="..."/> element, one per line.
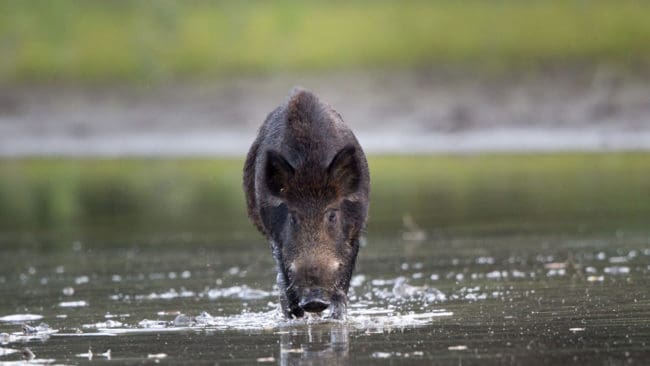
<point x="131" y="118"/>
<point x="509" y="151"/>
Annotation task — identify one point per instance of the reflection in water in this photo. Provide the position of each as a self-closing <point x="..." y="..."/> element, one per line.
<point x="325" y="344"/>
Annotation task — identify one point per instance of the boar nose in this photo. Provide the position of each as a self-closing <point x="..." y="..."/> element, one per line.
<point x="314" y="301"/>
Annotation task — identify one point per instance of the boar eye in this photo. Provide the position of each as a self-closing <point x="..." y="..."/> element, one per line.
<point x="294" y="219"/>
<point x="332" y="216"/>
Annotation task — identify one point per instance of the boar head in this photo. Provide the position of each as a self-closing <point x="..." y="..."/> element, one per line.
<point x="314" y="224"/>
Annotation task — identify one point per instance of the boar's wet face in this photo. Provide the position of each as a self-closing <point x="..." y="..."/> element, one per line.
<point x="314" y="225"/>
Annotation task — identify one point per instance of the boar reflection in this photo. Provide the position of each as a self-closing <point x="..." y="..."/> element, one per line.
<point x="307" y="183"/>
<point x="327" y="345"/>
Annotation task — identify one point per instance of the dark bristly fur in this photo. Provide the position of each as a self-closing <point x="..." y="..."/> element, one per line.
<point x="307" y="184"/>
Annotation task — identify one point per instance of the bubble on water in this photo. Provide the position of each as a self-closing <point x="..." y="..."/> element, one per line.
<point x="156" y="276"/>
<point x="382" y="282"/>
<point x="242" y="292"/>
<point x="397" y="354"/>
<point x="591" y="270"/>
<point x="183" y="320"/>
<point x="44" y="281"/>
<point x="167" y="295"/>
<point x="475" y="297"/>
<point x="434" y="277"/>
<point x="381" y="355"/>
<point x="186" y="274"/>
<point x="204" y="318"/>
<point x="116" y="278"/>
<point x="357" y="280"/>
<point x="518" y="274"/>
<point x="31" y="270"/>
<point x="595" y="278"/>
<point x="417" y="275"/>
<point x="577" y="329"/>
<point x="73" y="304"/>
<point x="556" y="272"/>
<point x="402" y="289"/>
<point x="107" y="324"/>
<point x="555" y="265"/>
<point x="157" y="356"/>
<point x="601" y="256"/>
<point x="618" y="259"/>
<point x="146" y="323"/>
<point x="88" y="355"/>
<point x="544" y="258"/>
<point x="459" y="277"/>
<point x="484" y="260"/>
<point x="460" y="347"/>
<point x="59" y="269"/>
<point x="81" y="280"/>
<point x="171" y="275"/>
<point x="76" y="246"/>
<point x="68" y="291"/>
<point x="496" y="274"/>
<point x="62" y="316"/>
<point x="617" y="270"/>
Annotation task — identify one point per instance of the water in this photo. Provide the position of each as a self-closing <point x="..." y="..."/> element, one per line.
<point x="524" y="285"/>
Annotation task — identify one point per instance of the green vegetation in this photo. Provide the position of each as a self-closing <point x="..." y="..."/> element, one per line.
<point x="158" y="200"/>
<point x="96" y="40"/>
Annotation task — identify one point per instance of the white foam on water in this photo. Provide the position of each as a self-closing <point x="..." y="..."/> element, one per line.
<point x="73" y="304"/>
<point x="461" y="347"/>
<point x="20" y="318"/>
<point x="38" y="333"/>
<point x="615" y="270"/>
<point x="241" y="292"/>
<point x="7" y="351"/>
<point x="360" y="319"/>
<point x="35" y="361"/>
<point x="107" y="324"/>
<point x="85" y="334"/>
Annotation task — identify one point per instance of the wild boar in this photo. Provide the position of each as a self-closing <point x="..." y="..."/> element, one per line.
<point x="307" y="183"/>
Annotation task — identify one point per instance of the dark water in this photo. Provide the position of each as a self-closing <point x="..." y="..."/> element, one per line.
<point x="468" y="260"/>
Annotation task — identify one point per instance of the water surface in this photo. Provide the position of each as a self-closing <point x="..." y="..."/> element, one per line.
<point x="468" y="260"/>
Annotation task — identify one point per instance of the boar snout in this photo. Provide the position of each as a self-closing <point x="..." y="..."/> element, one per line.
<point x="314" y="300"/>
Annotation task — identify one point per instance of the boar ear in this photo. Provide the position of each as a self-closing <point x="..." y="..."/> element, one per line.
<point x="278" y="171"/>
<point x="344" y="170"/>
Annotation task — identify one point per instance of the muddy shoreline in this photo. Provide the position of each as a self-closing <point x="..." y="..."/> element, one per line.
<point x="391" y="112"/>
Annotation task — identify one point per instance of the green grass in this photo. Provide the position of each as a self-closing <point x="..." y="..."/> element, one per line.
<point x="95" y="40"/>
